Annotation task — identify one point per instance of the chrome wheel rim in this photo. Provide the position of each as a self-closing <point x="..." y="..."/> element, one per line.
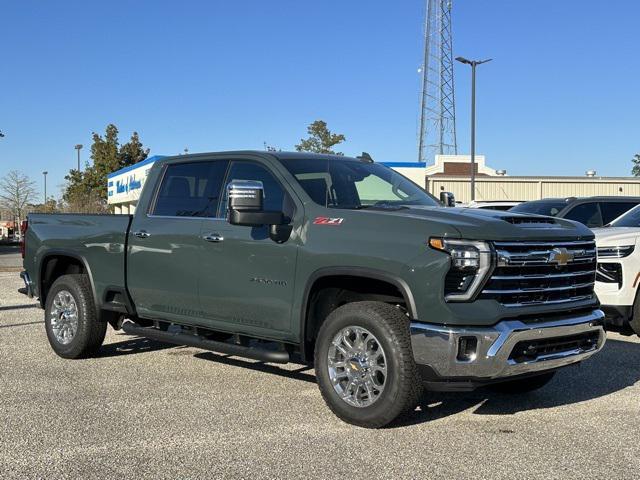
<point x="63" y="317"/>
<point x="357" y="366"/>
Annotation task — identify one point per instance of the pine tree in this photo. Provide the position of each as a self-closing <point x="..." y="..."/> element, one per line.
<point x="320" y="140"/>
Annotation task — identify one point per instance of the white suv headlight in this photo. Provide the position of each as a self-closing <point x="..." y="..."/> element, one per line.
<point x="615" y="252"/>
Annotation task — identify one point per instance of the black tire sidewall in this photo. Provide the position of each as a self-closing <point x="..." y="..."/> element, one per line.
<point x="389" y="405"/>
<point x="85" y="336"/>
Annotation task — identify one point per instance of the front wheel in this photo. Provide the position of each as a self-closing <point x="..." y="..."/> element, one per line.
<point x="364" y="364"/>
<point x="523" y="385"/>
<point x="71" y="319"/>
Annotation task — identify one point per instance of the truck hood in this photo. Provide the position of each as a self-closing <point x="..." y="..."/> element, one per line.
<point x="615" y="236"/>
<point x="481" y="224"/>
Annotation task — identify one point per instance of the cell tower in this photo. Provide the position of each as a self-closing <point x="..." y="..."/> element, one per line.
<point x="437" y="105"/>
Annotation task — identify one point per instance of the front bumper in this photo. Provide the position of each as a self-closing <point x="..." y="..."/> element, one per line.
<point x="436" y="348"/>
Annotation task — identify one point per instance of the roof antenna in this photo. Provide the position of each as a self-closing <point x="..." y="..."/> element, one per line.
<point x="365" y="157"/>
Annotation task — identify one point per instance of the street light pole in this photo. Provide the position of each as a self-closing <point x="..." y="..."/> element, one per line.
<point x="474" y="64"/>
<point x="78" y="147"/>
<point x="45" y="188"/>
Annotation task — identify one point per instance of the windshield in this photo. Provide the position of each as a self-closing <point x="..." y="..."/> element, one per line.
<point x="629" y="219"/>
<point x="548" y="207"/>
<point x="354" y="184"/>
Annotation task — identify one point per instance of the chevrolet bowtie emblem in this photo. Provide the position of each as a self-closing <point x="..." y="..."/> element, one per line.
<point x="560" y="256"/>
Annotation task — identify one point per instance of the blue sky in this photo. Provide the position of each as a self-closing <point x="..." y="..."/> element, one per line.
<point x="561" y="96"/>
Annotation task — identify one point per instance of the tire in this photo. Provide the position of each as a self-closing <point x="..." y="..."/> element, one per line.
<point x="379" y="399"/>
<point x="523" y="385"/>
<point x="634" y="321"/>
<point x="73" y="336"/>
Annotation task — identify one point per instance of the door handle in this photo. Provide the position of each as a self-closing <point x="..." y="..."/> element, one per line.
<point x="213" y="237"/>
<point x="141" y="234"/>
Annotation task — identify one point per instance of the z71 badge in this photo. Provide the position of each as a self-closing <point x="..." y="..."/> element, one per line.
<point x="328" y="221"/>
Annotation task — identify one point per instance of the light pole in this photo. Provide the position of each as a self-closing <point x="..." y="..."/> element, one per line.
<point x="78" y="147"/>
<point x="474" y="64"/>
<point x="45" y="188"/>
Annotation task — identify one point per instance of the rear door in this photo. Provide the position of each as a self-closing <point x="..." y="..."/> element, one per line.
<point x="247" y="279"/>
<point x="165" y="246"/>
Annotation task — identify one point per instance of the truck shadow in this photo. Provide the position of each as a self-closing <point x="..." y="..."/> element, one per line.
<point x="131" y="346"/>
<point x="613" y="369"/>
<point x="297" y="374"/>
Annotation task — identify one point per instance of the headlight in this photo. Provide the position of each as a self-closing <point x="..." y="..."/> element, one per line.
<point x="471" y="263"/>
<point x="615" y="252"/>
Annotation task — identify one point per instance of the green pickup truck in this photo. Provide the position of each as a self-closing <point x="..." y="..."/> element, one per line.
<point x="327" y="260"/>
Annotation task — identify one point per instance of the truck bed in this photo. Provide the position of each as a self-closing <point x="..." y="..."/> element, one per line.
<point x="98" y="241"/>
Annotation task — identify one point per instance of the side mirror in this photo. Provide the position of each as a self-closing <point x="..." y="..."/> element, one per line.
<point x="246" y="200"/>
<point x="447" y="199"/>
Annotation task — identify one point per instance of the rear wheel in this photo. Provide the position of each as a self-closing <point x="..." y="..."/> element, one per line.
<point x="523" y="385"/>
<point x="71" y="319"/>
<point x="364" y="364"/>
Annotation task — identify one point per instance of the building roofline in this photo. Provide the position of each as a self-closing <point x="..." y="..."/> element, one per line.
<point x="126" y="169"/>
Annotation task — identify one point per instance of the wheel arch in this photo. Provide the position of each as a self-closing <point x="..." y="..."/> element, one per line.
<point x="51" y="267"/>
<point x="381" y="277"/>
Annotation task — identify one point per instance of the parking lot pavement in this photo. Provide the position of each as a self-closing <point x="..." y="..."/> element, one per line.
<point x="10" y="259"/>
<point x="145" y="409"/>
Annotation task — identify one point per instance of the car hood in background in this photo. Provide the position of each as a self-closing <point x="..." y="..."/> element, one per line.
<point x="614" y="236"/>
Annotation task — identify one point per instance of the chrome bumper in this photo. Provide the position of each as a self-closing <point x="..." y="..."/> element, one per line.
<point x="436" y="347"/>
<point x="28" y="285"/>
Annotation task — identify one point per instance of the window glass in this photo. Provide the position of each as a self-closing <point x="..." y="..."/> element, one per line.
<point x="273" y="194"/>
<point x="630" y="219"/>
<point x="545" y="207"/>
<point x="354" y="184"/>
<point x="191" y="189"/>
<point x="612" y="210"/>
<point x="586" y="213"/>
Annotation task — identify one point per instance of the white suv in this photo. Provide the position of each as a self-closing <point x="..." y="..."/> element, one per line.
<point x="618" y="271"/>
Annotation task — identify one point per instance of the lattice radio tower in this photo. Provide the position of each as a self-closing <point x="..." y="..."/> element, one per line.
<point x="437" y="105"/>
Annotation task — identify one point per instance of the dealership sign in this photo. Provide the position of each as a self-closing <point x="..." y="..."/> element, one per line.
<point x="125" y="185"/>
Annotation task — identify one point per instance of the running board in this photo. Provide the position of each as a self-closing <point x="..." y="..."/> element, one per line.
<point x="254" y="353"/>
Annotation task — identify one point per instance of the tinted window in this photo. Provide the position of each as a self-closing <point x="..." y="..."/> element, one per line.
<point x="546" y="207"/>
<point x="191" y="189"/>
<point x="612" y="210"/>
<point x="273" y="193"/>
<point x="354" y="184"/>
<point x="630" y="219"/>
<point x="586" y="213"/>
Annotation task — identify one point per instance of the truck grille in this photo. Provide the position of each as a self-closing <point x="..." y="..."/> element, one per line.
<point x="531" y="273"/>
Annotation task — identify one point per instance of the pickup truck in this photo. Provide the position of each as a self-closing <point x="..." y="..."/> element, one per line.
<point x="336" y="262"/>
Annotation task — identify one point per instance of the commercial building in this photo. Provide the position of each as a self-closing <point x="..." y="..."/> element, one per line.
<point x="124" y="185"/>
<point x="451" y="173"/>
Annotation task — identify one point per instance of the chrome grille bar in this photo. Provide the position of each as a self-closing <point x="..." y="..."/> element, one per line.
<point x="534" y="272"/>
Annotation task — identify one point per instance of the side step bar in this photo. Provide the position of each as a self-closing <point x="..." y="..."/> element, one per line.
<point x="254" y="353"/>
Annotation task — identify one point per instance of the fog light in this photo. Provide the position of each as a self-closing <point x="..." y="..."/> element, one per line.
<point x="467" y="349"/>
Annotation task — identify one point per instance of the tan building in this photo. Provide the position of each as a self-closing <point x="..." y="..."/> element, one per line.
<point x="451" y="173"/>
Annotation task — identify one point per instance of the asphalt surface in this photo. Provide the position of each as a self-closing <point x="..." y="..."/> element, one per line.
<point x="149" y="410"/>
<point x="10" y="258"/>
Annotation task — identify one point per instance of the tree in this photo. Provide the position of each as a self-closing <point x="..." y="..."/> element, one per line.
<point x="635" y="171"/>
<point x="87" y="191"/>
<point x="17" y="190"/>
<point x="133" y="152"/>
<point x="320" y="140"/>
